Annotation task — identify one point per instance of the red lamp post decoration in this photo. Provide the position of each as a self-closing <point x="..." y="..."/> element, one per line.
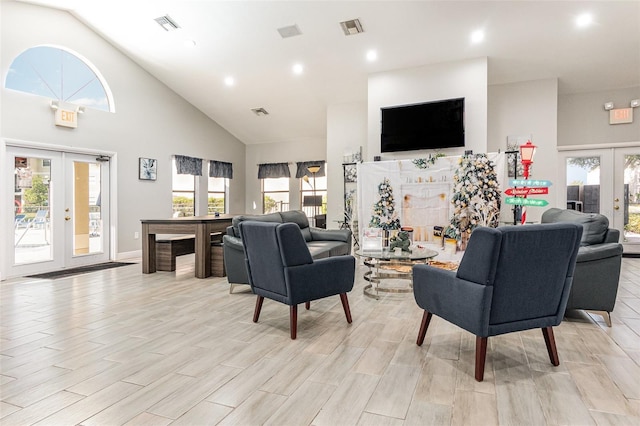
<point x="527" y="151"/>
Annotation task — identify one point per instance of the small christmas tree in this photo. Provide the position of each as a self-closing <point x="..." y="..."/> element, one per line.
<point x="384" y="214"/>
<point x="476" y="196"/>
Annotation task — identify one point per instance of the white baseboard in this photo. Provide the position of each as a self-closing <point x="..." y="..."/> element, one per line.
<point x="128" y="255"/>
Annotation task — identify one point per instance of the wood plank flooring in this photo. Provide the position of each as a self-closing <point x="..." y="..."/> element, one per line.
<point x="117" y="347"/>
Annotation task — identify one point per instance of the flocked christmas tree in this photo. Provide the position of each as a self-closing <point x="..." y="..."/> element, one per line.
<point x="476" y="196"/>
<point x="384" y="210"/>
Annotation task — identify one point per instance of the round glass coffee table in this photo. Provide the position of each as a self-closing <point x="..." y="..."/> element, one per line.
<point x="387" y="264"/>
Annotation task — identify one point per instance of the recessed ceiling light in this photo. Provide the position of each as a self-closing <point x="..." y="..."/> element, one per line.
<point x="584" y="20"/>
<point x="298" y="69"/>
<point x="190" y="43"/>
<point x="372" y="55"/>
<point x="229" y="81"/>
<point x="477" y="36"/>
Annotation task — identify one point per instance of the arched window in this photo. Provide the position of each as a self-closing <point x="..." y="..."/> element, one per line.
<point x="58" y="73"/>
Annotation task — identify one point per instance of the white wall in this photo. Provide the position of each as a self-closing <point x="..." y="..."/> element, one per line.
<point x="308" y="150"/>
<point x="527" y="108"/>
<point x="346" y="132"/>
<point x="583" y="120"/>
<point x="150" y="119"/>
<point x="466" y="79"/>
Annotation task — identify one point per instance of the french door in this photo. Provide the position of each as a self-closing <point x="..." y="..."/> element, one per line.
<point x="60" y="205"/>
<point x="607" y="181"/>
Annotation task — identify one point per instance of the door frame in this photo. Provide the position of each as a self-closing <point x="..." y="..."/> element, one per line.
<point x="608" y="189"/>
<point x="6" y="214"/>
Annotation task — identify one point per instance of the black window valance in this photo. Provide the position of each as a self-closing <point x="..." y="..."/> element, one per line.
<point x="303" y="168"/>
<point x="220" y="169"/>
<point x="188" y="165"/>
<point x="273" y="170"/>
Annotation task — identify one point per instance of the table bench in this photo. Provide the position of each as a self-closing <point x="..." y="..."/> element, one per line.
<point x="168" y="247"/>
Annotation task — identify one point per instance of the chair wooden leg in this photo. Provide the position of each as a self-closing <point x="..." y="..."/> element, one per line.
<point x="307" y="305"/>
<point x="293" y="320"/>
<point x="345" y="306"/>
<point x="256" y="312"/>
<point x="481" y="357"/>
<point x="426" y="319"/>
<point x="547" y="332"/>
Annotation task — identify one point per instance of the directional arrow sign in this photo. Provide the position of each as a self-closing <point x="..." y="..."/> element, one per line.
<point x="533" y="202"/>
<point x="527" y="191"/>
<point x="529" y="182"/>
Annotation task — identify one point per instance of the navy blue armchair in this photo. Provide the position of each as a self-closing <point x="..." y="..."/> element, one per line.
<point x="280" y="267"/>
<point x="510" y="279"/>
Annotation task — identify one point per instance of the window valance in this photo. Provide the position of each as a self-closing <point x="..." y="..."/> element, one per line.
<point x="303" y="168"/>
<point x="273" y="170"/>
<point x="220" y="169"/>
<point x="188" y="165"/>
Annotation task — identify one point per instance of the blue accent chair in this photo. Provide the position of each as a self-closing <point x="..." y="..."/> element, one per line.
<point x="280" y="267"/>
<point x="510" y="279"/>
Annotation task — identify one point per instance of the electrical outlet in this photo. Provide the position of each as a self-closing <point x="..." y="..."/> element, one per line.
<point x="136" y="235"/>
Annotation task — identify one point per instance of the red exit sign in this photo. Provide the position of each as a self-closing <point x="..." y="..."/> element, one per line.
<point x="621" y="115"/>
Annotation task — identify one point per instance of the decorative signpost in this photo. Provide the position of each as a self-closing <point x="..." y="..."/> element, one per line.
<point x="522" y="188"/>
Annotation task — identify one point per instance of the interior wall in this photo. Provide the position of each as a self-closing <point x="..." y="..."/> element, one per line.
<point x="583" y="120"/>
<point x="466" y="79"/>
<point x="346" y="133"/>
<point x="150" y="119"/>
<point x="522" y="109"/>
<point x="291" y="152"/>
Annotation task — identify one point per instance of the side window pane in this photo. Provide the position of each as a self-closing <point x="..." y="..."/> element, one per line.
<point x="216" y="198"/>
<point x="183" y="191"/>
<point x="275" y="195"/>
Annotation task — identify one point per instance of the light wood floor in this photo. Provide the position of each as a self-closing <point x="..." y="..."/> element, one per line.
<point x="118" y="347"/>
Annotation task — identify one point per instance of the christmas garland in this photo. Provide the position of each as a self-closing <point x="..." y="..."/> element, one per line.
<point x="424" y="163"/>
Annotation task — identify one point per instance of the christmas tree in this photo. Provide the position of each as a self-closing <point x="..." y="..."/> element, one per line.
<point x="384" y="214"/>
<point x="476" y="196"/>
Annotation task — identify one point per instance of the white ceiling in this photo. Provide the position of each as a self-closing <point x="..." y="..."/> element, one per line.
<point x="525" y="40"/>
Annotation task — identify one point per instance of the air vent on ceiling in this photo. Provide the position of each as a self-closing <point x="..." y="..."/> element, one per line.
<point x="259" y="111"/>
<point x="167" y="23"/>
<point x="351" y="27"/>
<point x="290" y="31"/>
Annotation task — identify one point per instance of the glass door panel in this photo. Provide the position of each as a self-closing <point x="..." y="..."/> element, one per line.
<point x="32" y="203"/>
<point x="583" y="183"/>
<point x="86" y="211"/>
<point x="626" y="202"/>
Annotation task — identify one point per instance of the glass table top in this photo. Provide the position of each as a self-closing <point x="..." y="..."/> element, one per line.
<point x="386" y="254"/>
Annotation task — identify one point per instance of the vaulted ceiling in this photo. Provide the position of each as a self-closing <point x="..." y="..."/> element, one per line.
<point x="221" y="40"/>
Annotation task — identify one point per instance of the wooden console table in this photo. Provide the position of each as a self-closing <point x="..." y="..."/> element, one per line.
<point x="200" y="226"/>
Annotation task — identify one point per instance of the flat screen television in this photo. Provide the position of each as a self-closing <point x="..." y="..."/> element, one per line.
<point x="428" y="125"/>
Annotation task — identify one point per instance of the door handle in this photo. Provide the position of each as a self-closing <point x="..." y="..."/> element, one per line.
<point x="616" y="207"/>
<point x="616" y="200"/>
<point x="67" y="218"/>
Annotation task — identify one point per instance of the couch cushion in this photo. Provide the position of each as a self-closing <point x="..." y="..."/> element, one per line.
<point x="299" y="218"/>
<point x="322" y="249"/>
<point x="594" y="225"/>
<point x="271" y="217"/>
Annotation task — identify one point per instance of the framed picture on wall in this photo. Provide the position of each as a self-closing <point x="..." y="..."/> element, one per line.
<point x="147" y="168"/>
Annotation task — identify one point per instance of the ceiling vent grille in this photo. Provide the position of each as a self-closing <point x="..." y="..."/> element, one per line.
<point x="290" y="31"/>
<point x="167" y="23"/>
<point x="260" y="111"/>
<point x="351" y="27"/>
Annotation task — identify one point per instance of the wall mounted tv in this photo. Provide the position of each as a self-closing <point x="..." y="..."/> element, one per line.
<point x="429" y="125"/>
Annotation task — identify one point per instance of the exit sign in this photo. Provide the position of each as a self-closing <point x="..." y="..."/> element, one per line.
<point x="66" y="118"/>
<point x="621" y="115"/>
